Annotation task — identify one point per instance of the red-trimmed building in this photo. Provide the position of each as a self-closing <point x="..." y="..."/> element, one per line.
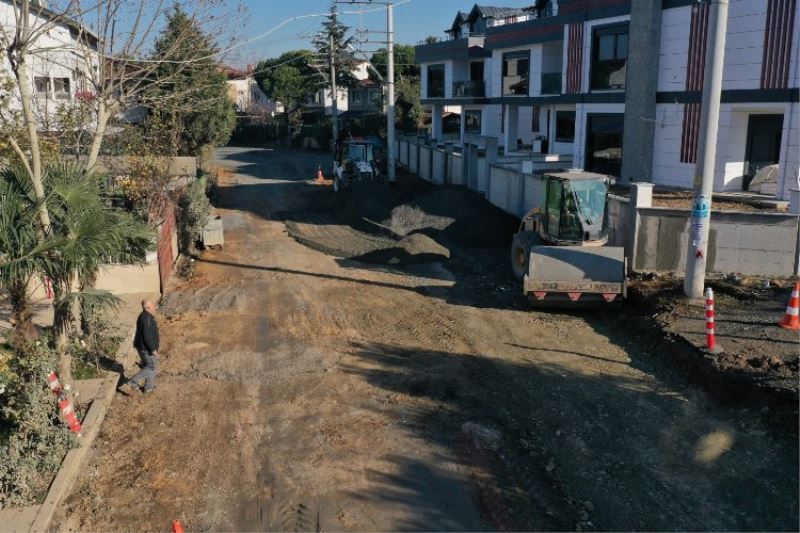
<point x="617" y="84"/>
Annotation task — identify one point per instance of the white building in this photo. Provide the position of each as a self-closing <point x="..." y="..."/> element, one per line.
<point x="59" y="66"/>
<point x="366" y="98"/>
<point x="581" y="78"/>
<point x="248" y="97"/>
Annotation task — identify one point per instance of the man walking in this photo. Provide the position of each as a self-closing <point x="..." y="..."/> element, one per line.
<point x="146" y="343"/>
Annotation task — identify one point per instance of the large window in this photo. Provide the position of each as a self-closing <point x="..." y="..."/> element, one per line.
<point x="604" y="144"/>
<point x="515" y="73"/>
<point x="472" y="121"/>
<point x="609" y="57"/>
<point x="565" y="126"/>
<point x="436" y="81"/>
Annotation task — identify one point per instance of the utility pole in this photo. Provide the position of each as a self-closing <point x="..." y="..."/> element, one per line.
<point x="696" y="251"/>
<point x="334" y="94"/>
<point x="390" y="112"/>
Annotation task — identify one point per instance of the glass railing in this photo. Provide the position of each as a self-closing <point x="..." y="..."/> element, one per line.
<point x="463" y="89"/>
<point x="551" y="83"/>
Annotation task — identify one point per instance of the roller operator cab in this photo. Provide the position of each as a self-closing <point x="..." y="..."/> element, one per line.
<point x="355" y="161"/>
<point x="560" y="252"/>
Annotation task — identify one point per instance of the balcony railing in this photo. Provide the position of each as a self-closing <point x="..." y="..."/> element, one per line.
<point x="515" y="85"/>
<point x="463" y="89"/>
<point x="551" y="83"/>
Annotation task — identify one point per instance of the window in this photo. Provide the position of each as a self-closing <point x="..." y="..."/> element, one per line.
<point x="604" y="143"/>
<point x="472" y="121"/>
<point x="61" y="88"/>
<point x="476" y="71"/>
<point x="356" y="98"/>
<point x="609" y="57"/>
<point x="436" y="81"/>
<point x="565" y="126"/>
<point x="515" y="73"/>
<point x="42" y="85"/>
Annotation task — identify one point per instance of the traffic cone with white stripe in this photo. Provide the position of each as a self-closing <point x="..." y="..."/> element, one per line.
<point x="711" y="330"/>
<point x="791" y="320"/>
<point x="68" y="411"/>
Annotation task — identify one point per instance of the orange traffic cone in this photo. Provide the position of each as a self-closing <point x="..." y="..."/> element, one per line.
<point x="791" y="319"/>
<point x="320" y="177"/>
<point x="177" y="527"/>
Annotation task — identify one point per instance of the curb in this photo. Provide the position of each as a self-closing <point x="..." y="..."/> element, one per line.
<point x="37" y="518"/>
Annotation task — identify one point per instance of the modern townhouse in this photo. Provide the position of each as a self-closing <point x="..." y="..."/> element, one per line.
<point x="617" y="85"/>
<point x="61" y="63"/>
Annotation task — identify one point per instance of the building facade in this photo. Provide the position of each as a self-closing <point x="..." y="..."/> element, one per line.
<point x="63" y="64"/>
<point x="617" y="84"/>
<point x="246" y="95"/>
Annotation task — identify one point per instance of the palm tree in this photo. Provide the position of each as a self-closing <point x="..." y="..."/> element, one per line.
<point x="21" y="255"/>
<point x="92" y="235"/>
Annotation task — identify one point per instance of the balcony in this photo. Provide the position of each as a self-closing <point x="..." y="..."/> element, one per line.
<point x="463" y="89"/>
<point x="515" y="85"/>
<point x="551" y="83"/>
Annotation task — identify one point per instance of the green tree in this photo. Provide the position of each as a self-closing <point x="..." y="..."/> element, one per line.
<point x="193" y="100"/>
<point x="404" y="65"/>
<point x="408" y="102"/>
<point x="288" y="79"/>
<point x="333" y="31"/>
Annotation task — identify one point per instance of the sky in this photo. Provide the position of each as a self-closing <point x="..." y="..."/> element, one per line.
<point x="413" y="21"/>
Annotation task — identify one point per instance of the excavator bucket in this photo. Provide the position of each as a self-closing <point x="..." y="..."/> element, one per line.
<point x="576" y="277"/>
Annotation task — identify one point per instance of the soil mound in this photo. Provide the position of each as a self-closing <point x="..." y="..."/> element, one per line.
<point x="462" y="217"/>
<point x="414" y="249"/>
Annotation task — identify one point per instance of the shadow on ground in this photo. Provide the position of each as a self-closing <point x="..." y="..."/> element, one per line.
<point x="538" y="464"/>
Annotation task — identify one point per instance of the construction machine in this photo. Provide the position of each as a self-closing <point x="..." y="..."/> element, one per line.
<point x="560" y="251"/>
<point x="354" y="161"/>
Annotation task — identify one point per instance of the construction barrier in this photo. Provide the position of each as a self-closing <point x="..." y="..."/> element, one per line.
<point x="711" y="332"/>
<point x="66" y="407"/>
<point x="791" y="320"/>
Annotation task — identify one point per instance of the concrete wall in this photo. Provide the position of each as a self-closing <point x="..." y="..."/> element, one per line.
<point x="743" y="242"/>
<point x="425" y="163"/>
<point x="438" y="166"/>
<point x="129" y="279"/>
<point x="455" y="169"/>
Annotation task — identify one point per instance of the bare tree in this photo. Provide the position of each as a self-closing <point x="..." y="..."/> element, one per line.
<point x="108" y="49"/>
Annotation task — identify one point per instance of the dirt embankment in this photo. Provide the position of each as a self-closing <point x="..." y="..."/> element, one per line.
<point x="759" y="358"/>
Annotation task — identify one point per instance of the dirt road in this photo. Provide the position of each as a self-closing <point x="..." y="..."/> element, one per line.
<point x="301" y="391"/>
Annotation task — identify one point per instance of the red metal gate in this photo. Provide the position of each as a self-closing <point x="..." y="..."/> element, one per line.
<point x="165" y="256"/>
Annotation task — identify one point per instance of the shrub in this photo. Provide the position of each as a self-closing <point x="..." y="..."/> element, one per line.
<point x="33" y="440"/>
<point x="194" y="210"/>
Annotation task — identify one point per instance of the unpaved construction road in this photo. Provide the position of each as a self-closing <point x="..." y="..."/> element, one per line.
<point x="303" y="391"/>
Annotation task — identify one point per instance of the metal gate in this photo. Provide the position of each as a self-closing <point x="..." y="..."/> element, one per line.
<point x="165" y="256"/>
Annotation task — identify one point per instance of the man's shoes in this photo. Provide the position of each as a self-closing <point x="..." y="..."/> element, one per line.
<point x="148" y="391"/>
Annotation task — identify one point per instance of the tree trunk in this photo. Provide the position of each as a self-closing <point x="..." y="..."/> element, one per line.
<point x="103" y="114"/>
<point x="22" y="315"/>
<point x="62" y="318"/>
<point x="24" y="85"/>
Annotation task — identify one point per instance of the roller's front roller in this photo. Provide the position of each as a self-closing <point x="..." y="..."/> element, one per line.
<point x="576" y="277"/>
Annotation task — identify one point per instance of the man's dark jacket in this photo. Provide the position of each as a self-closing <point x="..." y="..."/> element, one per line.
<point x="146" y="338"/>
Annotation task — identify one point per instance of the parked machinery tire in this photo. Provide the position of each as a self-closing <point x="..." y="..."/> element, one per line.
<point x="521" y="252"/>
